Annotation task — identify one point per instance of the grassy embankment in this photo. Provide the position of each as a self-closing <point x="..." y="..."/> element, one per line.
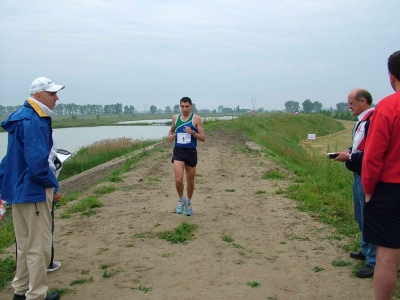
<point x="321" y="186"/>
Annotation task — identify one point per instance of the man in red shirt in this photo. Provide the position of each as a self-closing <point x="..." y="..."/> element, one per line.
<point x="381" y="182"/>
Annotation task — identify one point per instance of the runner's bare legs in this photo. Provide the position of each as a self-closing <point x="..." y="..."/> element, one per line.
<point x="179" y="167"/>
<point x="190" y="174"/>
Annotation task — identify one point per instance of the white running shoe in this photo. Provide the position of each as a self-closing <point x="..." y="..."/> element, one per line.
<point x="181" y="205"/>
<point x="188" y="205"/>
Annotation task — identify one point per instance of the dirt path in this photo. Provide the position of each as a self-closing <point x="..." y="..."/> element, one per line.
<point x="274" y="244"/>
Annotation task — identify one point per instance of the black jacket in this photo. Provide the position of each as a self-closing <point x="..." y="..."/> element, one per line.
<point x="357" y="158"/>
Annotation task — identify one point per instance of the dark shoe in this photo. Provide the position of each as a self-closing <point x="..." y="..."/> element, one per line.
<point x="366" y="272"/>
<point x="19" y="297"/>
<point x="357" y="255"/>
<point x="54" y="296"/>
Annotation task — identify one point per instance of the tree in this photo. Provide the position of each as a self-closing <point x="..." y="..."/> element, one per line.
<point x="317" y="106"/>
<point x="117" y="108"/>
<point x="237" y="109"/>
<point x="342" y="106"/>
<point x="107" y="109"/>
<point x="176" y="109"/>
<point x="153" y="109"/>
<point x="307" y="106"/>
<point x="292" y="106"/>
<point x="220" y="108"/>
<point x="168" y="110"/>
<point x="261" y="109"/>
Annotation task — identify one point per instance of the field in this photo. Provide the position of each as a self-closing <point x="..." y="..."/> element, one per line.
<point x="269" y="221"/>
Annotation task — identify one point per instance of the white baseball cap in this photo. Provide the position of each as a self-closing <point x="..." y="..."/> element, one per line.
<point x="43" y="84"/>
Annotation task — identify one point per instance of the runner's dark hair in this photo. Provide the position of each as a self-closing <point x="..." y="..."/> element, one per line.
<point x="186" y="100"/>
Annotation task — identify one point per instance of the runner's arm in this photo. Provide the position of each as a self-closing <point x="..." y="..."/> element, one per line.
<point x="171" y="133"/>
<point x="200" y="134"/>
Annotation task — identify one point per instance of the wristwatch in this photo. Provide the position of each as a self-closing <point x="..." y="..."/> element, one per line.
<point x="193" y="132"/>
<point x="350" y="157"/>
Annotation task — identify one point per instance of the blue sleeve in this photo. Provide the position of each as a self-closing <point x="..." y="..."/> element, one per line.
<point x="36" y="153"/>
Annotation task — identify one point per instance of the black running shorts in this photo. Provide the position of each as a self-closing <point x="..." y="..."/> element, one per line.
<point x="188" y="155"/>
<point x="382" y="216"/>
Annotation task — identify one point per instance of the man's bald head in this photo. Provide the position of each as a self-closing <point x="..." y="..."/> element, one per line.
<point x="359" y="100"/>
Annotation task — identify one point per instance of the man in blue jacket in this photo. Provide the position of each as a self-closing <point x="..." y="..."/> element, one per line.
<point x="29" y="185"/>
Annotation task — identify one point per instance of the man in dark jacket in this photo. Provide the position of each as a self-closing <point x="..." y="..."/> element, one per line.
<point x="359" y="101"/>
<point x="29" y="185"/>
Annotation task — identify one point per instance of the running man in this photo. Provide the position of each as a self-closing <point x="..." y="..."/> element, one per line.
<point x="186" y="129"/>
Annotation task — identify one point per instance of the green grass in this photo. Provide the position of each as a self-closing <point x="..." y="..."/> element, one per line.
<point x="253" y="284"/>
<point x="143" y="288"/>
<point x="318" y="269"/>
<point x="227" y="238"/>
<point x="181" y="235"/>
<point x="260" y="192"/>
<point x="341" y="263"/>
<point x="67" y="198"/>
<point x="85" y="206"/>
<point x="273" y="174"/>
<point x="111" y="273"/>
<point x="6" y="230"/>
<point x="81" y="281"/>
<point x="105" y="189"/>
<point x="99" y="153"/>
<point x="7" y="267"/>
<point x="144" y="235"/>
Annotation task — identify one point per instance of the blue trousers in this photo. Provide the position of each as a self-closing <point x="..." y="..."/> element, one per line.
<point x="367" y="249"/>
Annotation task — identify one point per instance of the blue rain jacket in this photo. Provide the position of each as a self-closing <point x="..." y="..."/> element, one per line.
<point x="24" y="171"/>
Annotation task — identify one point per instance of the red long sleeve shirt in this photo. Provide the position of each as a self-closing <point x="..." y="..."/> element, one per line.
<point x="382" y="150"/>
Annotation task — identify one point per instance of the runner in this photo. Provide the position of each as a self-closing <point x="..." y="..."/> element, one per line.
<point x="186" y="129"/>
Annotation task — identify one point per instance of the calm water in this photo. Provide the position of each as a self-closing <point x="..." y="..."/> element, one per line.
<point x="72" y="139"/>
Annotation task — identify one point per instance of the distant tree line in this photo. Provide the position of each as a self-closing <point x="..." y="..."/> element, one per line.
<point x="6" y="110"/>
<point x="341" y="112"/>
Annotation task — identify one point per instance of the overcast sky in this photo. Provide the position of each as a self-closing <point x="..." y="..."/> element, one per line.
<point x="217" y="52"/>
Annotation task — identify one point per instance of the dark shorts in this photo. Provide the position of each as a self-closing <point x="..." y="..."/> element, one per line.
<point x="188" y="155"/>
<point x="382" y="216"/>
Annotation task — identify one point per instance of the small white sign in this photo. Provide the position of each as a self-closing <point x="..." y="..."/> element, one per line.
<point x="312" y="136"/>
